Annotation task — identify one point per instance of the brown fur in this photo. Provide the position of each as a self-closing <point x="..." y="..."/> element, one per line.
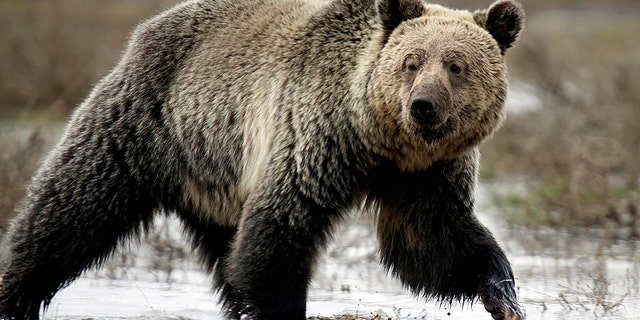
<point x="260" y="123"/>
<point x="476" y="104"/>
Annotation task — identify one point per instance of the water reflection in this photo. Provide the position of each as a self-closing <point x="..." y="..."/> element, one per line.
<point x="577" y="270"/>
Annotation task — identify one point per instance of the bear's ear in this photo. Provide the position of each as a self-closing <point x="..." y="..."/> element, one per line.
<point x="504" y="20"/>
<point x="393" y="12"/>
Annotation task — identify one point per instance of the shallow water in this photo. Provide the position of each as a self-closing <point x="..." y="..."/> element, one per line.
<point x="558" y="277"/>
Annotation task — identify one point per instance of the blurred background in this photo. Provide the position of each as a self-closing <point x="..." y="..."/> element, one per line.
<point x="561" y="178"/>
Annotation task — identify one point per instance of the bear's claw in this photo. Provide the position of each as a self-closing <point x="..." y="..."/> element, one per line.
<point x="505" y="313"/>
<point x="500" y="301"/>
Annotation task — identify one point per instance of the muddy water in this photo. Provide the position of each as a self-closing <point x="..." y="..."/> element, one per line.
<point x="559" y="276"/>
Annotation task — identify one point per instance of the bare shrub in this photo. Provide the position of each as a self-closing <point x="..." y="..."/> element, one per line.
<point x="378" y="315"/>
<point x="596" y="294"/>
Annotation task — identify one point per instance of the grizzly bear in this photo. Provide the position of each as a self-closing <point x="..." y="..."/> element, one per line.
<point x="260" y="124"/>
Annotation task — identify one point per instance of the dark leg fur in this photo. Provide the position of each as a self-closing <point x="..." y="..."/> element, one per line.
<point x="78" y="208"/>
<point x="431" y="240"/>
<point x="270" y="267"/>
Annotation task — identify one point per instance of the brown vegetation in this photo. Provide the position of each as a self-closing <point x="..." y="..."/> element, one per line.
<point x="378" y="315"/>
<point x="579" y="151"/>
<point x="52" y="52"/>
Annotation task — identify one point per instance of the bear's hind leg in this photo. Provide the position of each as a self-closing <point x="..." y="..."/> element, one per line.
<point x="72" y="218"/>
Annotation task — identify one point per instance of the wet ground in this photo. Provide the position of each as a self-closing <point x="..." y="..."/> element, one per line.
<point x="559" y="276"/>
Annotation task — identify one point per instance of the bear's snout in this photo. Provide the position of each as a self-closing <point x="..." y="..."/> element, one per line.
<point x="429" y="102"/>
<point x="423" y="110"/>
<point x="429" y="109"/>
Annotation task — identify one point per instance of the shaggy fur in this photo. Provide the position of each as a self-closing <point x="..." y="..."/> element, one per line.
<point x="260" y="123"/>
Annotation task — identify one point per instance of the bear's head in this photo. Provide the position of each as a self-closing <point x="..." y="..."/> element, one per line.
<point x="438" y="83"/>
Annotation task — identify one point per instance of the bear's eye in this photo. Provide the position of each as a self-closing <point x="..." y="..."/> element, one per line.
<point x="455" y="68"/>
<point x="411" y="64"/>
<point x="412" y="67"/>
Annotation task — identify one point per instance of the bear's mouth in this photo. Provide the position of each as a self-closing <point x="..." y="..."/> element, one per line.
<point x="436" y="131"/>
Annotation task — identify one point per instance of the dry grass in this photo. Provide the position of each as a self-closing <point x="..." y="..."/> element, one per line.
<point x="52" y="52"/>
<point x="596" y="293"/>
<point x="378" y="315"/>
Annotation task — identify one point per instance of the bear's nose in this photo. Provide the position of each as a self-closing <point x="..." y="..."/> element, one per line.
<point x="423" y="110"/>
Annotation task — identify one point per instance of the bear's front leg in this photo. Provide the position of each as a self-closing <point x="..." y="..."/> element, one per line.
<point x="431" y="240"/>
<point x="278" y="239"/>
